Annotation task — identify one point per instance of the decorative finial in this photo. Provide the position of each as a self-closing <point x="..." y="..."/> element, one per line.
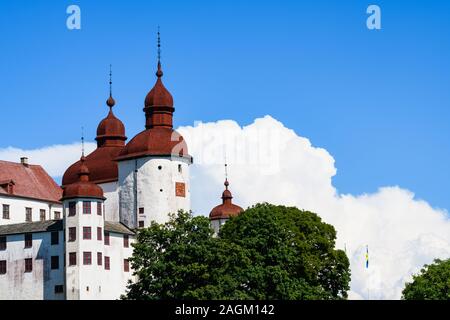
<point x="159" y="73"/>
<point x="110" y="102"/>
<point x="226" y="176"/>
<point x="82" y="143"/>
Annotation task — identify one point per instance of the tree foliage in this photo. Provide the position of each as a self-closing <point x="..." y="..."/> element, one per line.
<point x="268" y="252"/>
<point x="432" y="283"/>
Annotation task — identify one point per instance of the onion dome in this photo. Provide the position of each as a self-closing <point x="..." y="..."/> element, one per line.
<point x="110" y="141"/>
<point x="158" y="138"/>
<point x="83" y="188"/>
<point x="227" y="209"/>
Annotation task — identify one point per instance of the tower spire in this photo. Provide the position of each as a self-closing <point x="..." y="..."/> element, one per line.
<point x="159" y="73"/>
<point x="82" y="142"/>
<point x="110" y="102"/>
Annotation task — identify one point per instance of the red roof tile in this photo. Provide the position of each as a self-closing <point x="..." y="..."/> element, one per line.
<point x="30" y="181"/>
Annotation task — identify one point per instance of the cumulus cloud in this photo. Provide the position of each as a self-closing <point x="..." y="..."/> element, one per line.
<point x="271" y="163"/>
<point x="54" y="159"/>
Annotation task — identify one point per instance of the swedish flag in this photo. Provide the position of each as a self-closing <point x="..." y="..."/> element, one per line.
<point x="367" y="257"/>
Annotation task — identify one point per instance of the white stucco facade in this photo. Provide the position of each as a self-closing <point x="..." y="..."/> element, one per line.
<point x="152" y="187"/>
<point x="111" y="193"/>
<point x="18" y="208"/>
<point x="38" y="284"/>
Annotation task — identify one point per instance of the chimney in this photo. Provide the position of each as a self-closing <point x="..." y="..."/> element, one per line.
<point x="24" y="161"/>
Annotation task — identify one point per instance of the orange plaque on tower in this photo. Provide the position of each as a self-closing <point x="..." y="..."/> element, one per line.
<point x="180" y="189"/>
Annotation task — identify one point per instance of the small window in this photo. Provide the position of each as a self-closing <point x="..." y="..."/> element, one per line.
<point x="159" y="167"/>
<point x="87" y="258"/>
<point x="57" y="215"/>
<point x="72" y="234"/>
<point x="86" y="207"/>
<point x="72" y="259"/>
<point x="106" y="238"/>
<point x="42" y="214"/>
<point x="126" y="241"/>
<point x="99" y="233"/>
<point x="55" y="238"/>
<point x="6" y="211"/>
<point x="126" y="265"/>
<point x="87" y="233"/>
<point x="2" y="243"/>
<point x="28" y="265"/>
<point x="107" y="266"/>
<point x="141" y="210"/>
<point x="180" y="168"/>
<point x="99" y="208"/>
<point x="28" y="215"/>
<point x="141" y="224"/>
<point x="2" y="266"/>
<point x="28" y="240"/>
<point x="72" y="208"/>
<point x="55" y="262"/>
<point x="99" y="258"/>
<point x="59" y="289"/>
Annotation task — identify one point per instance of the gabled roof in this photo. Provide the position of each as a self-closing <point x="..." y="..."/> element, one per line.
<point x="30" y="181"/>
<point x="31" y="227"/>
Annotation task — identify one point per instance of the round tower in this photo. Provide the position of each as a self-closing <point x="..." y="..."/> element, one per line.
<point x="221" y="213"/>
<point x="154" y="165"/>
<point x="84" y="227"/>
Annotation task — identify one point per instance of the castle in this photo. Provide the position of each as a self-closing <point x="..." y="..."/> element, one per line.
<point x="74" y="241"/>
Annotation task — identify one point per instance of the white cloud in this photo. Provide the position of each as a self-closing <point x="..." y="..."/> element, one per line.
<point x="54" y="159"/>
<point x="403" y="233"/>
<point x="269" y="162"/>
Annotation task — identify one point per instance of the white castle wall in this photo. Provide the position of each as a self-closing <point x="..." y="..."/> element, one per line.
<point x="111" y="193"/>
<point x="17" y="207"/>
<point x="155" y="182"/>
<point x="40" y="283"/>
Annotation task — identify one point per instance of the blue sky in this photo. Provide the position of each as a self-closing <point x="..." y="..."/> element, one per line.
<point x="378" y="101"/>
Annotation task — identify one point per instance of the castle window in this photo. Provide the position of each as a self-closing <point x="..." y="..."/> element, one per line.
<point x="59" y="289"/>
<point x="55" y="238"/>
<point x="126" y="243"/>
<point x="72" y="208"/>
<point x="72" y="234"/>
<point x="126" y="265"/>
<point x="57" y="215"/>
<point x="159" y="167"/>
<point x="99" y="208"/>
<point x="72" y="259"/>
<point x="99" y="258"/>
<point x="28" y="265"/>
<point x="141" y="224"/>
<point x="28" y="240"/>
<point x="6" y="211"/>
<point x="2" y="243"/>
<point x="87" y="233"/>
<point x="42" y="214"/>
<point x="28" y="214"/>
<point x="2" y="266"/>
<point x="107" y="266"/>
<point x="87" y="258"/>
<point x="141" y="210"/>
<point x="99" y="233"/>
<point x="86" y="207"/>
<point x="106" y="238"/>
<point x="180" y="168"/>
<point x="55" y="262"/>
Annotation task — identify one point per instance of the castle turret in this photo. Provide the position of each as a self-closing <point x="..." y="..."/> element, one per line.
<point x="154" y="165"/>
<point x="84" y="227"/>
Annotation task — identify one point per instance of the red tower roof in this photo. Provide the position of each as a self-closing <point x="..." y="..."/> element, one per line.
<point x="227" y="209"/>
<point x="83" y="188"/>
<point x="110" y="141"/>
<point x="158" y="138"/>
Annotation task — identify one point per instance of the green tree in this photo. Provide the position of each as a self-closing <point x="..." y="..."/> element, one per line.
<point x="432" y="283"/>
<point x="267" y="252"/>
